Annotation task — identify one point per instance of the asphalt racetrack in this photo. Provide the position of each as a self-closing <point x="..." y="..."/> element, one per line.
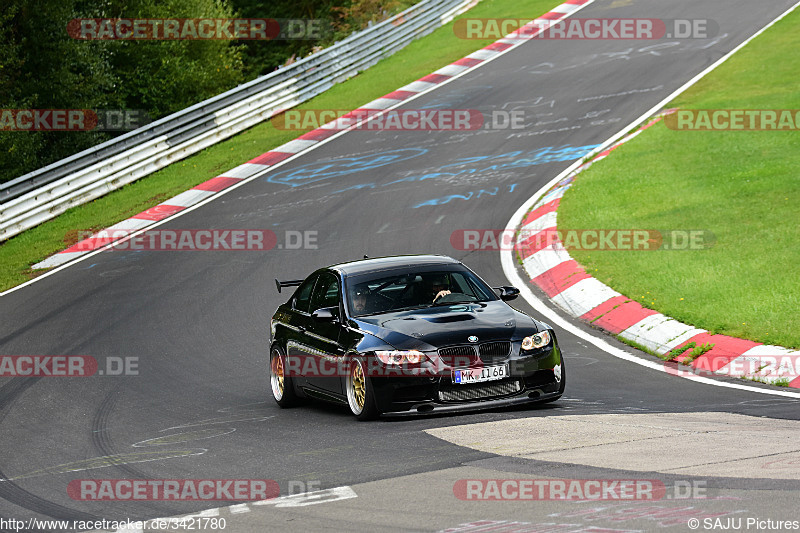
<point x="198" y="325"/>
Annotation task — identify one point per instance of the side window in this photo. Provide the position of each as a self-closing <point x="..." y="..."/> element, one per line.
<point x="326" y="293"/>
<point x="302" y="297"/>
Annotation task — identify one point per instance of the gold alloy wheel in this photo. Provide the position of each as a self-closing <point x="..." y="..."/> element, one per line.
<point x="277" y="376"/>
<point x="358" y="384"/>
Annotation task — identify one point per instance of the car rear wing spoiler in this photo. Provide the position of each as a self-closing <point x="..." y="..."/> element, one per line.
<point x="290" y="283"/>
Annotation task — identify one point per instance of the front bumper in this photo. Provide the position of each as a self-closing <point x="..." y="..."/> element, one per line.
<point x="534" y="378"/>
<point x="436" y="408"/>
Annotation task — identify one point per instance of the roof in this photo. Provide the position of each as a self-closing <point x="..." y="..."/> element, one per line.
<point x="364" y="266"/>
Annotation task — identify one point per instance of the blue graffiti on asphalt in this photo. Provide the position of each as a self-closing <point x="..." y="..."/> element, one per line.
<point x="466" y="196"/>
<point x="540" y="156"/>
<point x="322" y="170"/>
<point x="456" y="98"/>
<point x="487" y="163"/>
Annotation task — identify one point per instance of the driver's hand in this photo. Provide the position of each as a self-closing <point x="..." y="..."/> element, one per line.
<point x="440" y="294"/>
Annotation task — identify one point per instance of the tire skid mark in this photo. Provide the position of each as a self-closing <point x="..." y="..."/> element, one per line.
<point x="188" y="436"/>
<point x="101" y="434"/>
<point x="107" y="461"/>
<point x="10" y="491"/>
<point x="243" y="417"/>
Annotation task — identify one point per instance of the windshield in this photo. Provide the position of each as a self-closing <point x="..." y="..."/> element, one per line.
<point x="382" y="292"/>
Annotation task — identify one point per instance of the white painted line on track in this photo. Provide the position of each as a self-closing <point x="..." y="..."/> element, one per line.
<point x="510" y="271"/>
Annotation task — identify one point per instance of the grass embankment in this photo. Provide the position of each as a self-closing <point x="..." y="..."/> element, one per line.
<point x="743" y="186"/>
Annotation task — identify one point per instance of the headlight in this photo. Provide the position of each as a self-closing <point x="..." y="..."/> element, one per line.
<point x="398" y="357"/>
<point x="536" y="341"/>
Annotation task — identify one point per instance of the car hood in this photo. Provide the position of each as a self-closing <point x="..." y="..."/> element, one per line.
<point x="433" y="327"/>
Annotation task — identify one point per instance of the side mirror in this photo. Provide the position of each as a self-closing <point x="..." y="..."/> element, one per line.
<point x="508" y="293"/>
<point x="326" y="314"/>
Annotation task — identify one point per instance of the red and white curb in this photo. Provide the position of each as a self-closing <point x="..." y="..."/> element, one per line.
<point x="570" y="287"/>
<point x="304" y="142"/>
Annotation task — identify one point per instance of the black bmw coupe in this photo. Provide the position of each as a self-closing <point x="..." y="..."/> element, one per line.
<point x="406" y="335"/>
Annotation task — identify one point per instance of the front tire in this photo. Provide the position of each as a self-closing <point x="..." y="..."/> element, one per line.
<point x="282" y="385"/>
<point x="360" y="393"/>
<point x="563" y="374"/>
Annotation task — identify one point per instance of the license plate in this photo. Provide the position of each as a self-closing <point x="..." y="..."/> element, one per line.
<point x="479" y="375"/>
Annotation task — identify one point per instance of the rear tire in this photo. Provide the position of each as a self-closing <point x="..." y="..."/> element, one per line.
<point x="282" y="386"/>
<point x="360" y="393"/>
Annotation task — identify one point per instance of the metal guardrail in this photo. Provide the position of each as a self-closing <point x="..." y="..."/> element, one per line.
<point x="45" y="193"/>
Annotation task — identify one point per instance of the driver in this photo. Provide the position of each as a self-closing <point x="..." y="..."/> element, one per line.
<point x="439" y="287"/>
<point x="360" y="299"/>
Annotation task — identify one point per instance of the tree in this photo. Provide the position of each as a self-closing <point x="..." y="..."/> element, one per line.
<point x="168" y="75"/>
<point x="42" y="67"/>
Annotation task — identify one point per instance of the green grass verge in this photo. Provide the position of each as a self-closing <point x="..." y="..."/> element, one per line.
<point x="741" y="186"/>
<point x="416" y="60"/>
